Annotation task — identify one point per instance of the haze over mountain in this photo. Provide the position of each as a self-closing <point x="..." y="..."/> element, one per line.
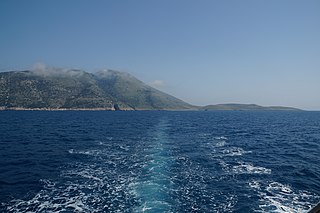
<point x="77" y="89"/>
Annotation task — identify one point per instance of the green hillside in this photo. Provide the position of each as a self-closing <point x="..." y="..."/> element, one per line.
<point x="56" y="89"/>
<point x="77" y="89"/>
<point x="133" y="93"/>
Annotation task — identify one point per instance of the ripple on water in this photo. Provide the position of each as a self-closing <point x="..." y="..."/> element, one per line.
<point x="170" y="168"/>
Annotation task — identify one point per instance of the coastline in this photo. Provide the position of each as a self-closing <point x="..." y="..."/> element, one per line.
<point x="87" y="109"/>
<point x="57" y="109"/>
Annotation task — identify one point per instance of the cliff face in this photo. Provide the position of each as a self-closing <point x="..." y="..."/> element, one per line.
<point x="76" y="89"/>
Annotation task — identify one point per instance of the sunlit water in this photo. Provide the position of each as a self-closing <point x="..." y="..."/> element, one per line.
<point x="159" y="161"/>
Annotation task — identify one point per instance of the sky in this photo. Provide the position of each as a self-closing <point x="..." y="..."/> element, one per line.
<point x="204" y="52"/>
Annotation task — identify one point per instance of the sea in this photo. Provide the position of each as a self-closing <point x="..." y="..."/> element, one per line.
<point x="159" y="161"/>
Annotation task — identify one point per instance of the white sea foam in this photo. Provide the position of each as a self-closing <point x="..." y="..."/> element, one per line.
<point x="43" y="202"/>
<point x="234" y="151"/>
<point x="221" y="138"/>
<point x="86" y="152"/>
<point x="125" y="148"/>
<point x="247" y="168"/>
<point x="204" y="135"/>
<point x="243" y="168"/>
<point x="105" y="142"/>
<point x="255" y="185"/>
<point x="225" y="151"/>
<point x="221" y="144"/>
<point x="158" y="206"/>
<point x="220" y="148"/>
<point x="281" y="198"/>
<point x="228" y="206"/>
<point x="80" y="188"/>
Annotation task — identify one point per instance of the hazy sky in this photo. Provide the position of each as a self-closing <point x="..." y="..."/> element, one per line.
<point x="205" y="52"/>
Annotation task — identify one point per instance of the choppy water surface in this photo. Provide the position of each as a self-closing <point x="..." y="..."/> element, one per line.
<point x="159" y="161"/>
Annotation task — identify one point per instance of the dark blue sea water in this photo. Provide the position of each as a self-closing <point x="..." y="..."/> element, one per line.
<point x="140" y="161"/>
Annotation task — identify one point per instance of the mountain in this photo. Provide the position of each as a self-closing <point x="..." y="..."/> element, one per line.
<point x="57" y="89"/>
<point x="77" y="89"/>
<point x="246" y="107"/>
<point x="135" y="94"/>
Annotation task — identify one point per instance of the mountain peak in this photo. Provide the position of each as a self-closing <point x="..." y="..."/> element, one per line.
<point x="108" y="73"/>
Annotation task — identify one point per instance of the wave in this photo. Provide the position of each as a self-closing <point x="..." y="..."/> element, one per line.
<point x="247" y="168"/>
<point x="234" y="151"/>
<point x="84" y="188"/>
<point x="223" y="151"/>
<point x="243" y="168"/>
<point x="221" y="144"/>
<point x="220" y="148"/>
<point x="221" y="138"/>
<point x="281" y="198"/>
<point x="88" y="152"/>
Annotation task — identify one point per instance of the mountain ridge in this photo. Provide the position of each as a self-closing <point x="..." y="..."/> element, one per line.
<point x="75" y="89"/>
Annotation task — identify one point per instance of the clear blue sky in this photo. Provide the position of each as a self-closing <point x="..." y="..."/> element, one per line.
<point x="202" y="51"/>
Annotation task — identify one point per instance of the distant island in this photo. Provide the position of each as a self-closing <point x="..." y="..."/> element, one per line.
<point x="245" y="107"/>
<point x="59" y="89"/>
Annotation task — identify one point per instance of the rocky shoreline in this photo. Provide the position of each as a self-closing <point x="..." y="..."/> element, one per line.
<point x="62" y="109"/>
